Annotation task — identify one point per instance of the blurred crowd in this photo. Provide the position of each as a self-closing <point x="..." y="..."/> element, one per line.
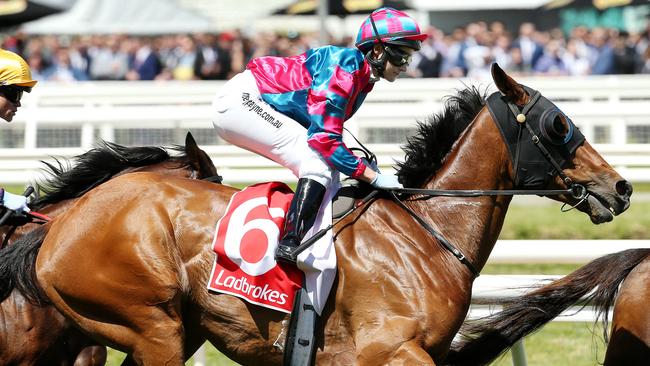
<point x="467" y="51"/>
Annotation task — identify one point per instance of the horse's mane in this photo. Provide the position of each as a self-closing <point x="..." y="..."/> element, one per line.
<point x="71" y="180"/>
<point x="427" y="149"/>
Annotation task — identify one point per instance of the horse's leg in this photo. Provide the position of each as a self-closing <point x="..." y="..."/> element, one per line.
<point x="116" y="292"/>
<point x="630" y="339"/>
<point x="151" y="335"/>
<point x="411" y="353"/>
<point x="392" y="343"/>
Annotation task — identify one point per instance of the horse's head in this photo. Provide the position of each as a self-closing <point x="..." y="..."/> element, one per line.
<point x="548" y="151"/>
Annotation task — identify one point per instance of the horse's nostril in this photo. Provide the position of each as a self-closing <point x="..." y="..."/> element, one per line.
<point x="624" y="188"/>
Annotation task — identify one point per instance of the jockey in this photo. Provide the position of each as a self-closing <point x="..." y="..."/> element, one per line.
<point x="292" y="109"/>
<point x="15" y="78"/>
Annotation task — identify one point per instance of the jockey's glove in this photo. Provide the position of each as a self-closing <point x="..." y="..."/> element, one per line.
<point x="386" y="181"/>
<point x="15" y="202"/>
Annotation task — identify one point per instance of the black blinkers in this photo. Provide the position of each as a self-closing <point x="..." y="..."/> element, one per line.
<point x="544" y="127"/>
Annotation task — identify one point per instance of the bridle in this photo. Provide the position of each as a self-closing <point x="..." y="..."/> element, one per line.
<point x="517" y="127"/>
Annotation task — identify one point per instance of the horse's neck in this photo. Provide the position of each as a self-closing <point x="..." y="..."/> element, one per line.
<point x="479" y="160"/>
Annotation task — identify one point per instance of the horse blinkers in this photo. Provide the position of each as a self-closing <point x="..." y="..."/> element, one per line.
<point x="541" y="139"/>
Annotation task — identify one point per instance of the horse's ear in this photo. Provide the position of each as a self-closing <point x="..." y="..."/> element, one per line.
<point x="192" y="151"/>
<point x="190" y="143"/>
<point x="199" y="159"/>
<point x="508" y="86"/>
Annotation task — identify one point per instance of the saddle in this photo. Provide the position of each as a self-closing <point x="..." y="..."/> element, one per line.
<point x="350" y="192"/>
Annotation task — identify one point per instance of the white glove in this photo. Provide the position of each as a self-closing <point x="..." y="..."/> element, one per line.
<point x="386" y="181"/>
<point x="15" y="202"/>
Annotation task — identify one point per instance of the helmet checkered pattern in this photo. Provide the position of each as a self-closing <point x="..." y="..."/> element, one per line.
<point x="393" y="26"/>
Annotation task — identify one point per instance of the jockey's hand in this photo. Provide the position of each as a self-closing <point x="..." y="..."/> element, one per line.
<point x="386" y="181"/>
<point x="15" y="202"/>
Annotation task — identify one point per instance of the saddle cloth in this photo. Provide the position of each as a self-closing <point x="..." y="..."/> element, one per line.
<point x="245" y="240"/>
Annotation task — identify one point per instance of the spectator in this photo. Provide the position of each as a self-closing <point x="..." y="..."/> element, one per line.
<point x="454" y="64"/>
<point x="551" y="62"/>
<point x="645" y="68"/>
<point x="38" y="66"/>
<point x="109" y="61"/>
<point x="501" y="51"/>
<point x="601" y="53"/>
<point x="577" y="64"/>
<point x="428" y="61"/>
<point x="144" y="63"/>
<point x="530" y="50"/>
<point x="184" y="58"/>
<point x="478" y="55"/>
<point x="62" y="69"/>
<point x="626" y="60"/>
<point x="207" y="65"/>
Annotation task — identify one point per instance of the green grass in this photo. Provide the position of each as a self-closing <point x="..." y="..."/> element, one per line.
<point x="558" y="344"/>
<point x="547" y="222"/>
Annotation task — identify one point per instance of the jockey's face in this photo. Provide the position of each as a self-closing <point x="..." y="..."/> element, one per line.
<point x="400" y="56"/>
<point x="9" y="101"/>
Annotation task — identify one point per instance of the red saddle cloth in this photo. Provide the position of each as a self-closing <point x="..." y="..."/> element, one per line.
<point x="245" y="241"/>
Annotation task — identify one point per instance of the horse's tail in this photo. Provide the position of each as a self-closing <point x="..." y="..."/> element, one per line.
<point x="485" y="339"/>
<point x="18" y="267"/>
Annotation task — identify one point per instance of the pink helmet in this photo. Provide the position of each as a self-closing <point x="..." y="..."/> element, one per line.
<point x="387" y="25"/>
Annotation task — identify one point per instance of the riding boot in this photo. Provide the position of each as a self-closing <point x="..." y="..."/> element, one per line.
<point x="300" y="218"/>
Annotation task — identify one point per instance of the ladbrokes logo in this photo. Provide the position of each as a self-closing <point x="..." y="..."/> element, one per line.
<point x="245" y="241"/>
<point x="260" y="293"/>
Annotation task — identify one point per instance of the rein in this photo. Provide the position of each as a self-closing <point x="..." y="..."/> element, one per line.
<point x="445" y="243"/>
<point x="577" y="191"/>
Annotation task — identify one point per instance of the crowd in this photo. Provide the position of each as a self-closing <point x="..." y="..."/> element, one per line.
<point x="467" y="51"/>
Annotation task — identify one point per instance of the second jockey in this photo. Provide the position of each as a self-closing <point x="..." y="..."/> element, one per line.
<point x="15" y="79"/>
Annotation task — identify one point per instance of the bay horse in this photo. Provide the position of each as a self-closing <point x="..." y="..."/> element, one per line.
<point x="130" y="262"/>
<point x="618" y="279"/>
<point x="40" y="335"/>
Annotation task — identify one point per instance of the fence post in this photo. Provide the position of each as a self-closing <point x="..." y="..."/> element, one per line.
<point x="518" y="353"/>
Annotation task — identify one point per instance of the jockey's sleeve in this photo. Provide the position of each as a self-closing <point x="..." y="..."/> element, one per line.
<point x="328" y="105"/>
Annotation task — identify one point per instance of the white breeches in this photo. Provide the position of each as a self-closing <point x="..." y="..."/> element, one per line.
<point x="243" y="119"/>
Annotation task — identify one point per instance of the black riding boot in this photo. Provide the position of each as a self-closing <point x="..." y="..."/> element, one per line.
<point x="301" y="216"/>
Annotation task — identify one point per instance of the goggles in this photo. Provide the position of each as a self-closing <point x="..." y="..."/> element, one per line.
<point x="12" y="94"/>
<point x="397" y="56"/>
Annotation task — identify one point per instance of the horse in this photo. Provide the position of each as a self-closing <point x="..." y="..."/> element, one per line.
<point x="130" y="262"/>
<point x="40" y="334"/>
<point x="618" y="279"/>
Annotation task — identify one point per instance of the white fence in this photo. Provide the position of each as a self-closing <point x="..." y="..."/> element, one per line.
<point x="65" y="119"/>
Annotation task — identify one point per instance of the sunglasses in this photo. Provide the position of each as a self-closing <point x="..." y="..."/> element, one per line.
<point x="397" y="56"/>
<point x="12" y="94"/>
